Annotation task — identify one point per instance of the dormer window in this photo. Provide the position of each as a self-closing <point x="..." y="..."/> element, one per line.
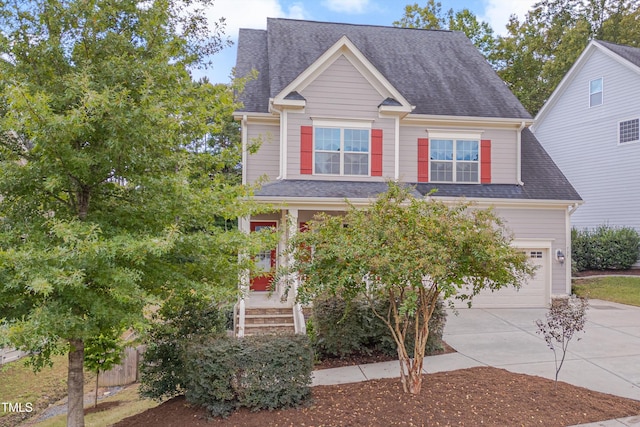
<point x="341" y="151"/>
<point x="595" y="92"/>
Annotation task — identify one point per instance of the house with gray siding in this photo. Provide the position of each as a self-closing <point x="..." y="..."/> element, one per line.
<point x="591" y="128"/>
<point x="341" y="109"/>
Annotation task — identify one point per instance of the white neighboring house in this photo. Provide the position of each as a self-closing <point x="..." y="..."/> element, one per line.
<point x="590" y="126"/>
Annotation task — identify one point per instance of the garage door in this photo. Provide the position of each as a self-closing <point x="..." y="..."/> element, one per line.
<point x="531" y="294"/>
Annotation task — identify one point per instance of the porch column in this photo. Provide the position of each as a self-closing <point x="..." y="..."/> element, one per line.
<point x="244" y="226"/>
<point x="290" y="218"/>
<point x="298" y="315"/>
<point x="243" y="285"/>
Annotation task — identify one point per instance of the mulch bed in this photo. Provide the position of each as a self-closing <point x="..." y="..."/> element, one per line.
<point x="468" y="397"/>
<point x="362" y="359"/>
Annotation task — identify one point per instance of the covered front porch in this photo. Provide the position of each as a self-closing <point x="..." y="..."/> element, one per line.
<point x="265" y="305"/>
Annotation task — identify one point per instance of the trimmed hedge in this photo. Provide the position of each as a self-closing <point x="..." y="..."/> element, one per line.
<point x="604" y="248"/>
<point x="257" y="372"/>
<point x="340" y="329"/>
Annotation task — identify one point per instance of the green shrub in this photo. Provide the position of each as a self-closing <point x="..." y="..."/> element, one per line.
<point x="257" y="372"/>
<point x="181" y="320"/>
<point x="604" y="248"/>
<point x="341" y="329"/>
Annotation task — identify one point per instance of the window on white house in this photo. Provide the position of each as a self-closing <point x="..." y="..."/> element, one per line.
<point x="630" y="131"/>
<point x="454" y="160"/>
<point x="595" y="92"/>
<point x="340" y="151"/>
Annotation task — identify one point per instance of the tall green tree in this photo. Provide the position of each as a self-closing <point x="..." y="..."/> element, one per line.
<point x="537" y="52"/>
<point x="408" y="252"/>
<point x="104" y="206"/>
<point x="431" y="17"/>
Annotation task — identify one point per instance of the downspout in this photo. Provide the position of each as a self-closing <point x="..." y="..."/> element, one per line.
<point x="519" y="154"/>
<point x="244" y="148"/>
<point x="396" y="175"/>
<point x="568" y="255"/>
<point x="283" y="131"/>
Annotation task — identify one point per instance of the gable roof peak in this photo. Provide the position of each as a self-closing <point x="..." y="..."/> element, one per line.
<point x="440" y="72"/>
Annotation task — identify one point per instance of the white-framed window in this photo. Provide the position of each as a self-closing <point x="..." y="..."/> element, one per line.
<point x="595" y="92"/>
<point x="341" y="151"/>
<point x="454" y="160"/>
<point x="629" y="131"/>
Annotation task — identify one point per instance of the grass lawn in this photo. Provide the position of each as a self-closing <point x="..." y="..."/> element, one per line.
<point x="624" y="290"/>
<point x="129" y="403"/>
<point x="18" y="384"/>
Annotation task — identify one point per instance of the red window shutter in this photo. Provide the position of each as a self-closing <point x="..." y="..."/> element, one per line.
<point x="485" y="161"/>
<point x="306" y="150"/>
<point x="423" y="159"/>
<point x="376" y="152"/>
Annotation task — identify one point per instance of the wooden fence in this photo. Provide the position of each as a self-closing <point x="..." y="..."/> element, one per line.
<point x="126" y="372"/>
<point x="9" y="355"/>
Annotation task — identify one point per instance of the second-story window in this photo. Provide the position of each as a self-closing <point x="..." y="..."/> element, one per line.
<point x="341" y="151"/>
<point x="454" y="160"/>
<point x="595" y="92"/>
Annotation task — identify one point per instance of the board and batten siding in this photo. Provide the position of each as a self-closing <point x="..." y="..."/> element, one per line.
<point x="503" y="153"/>
<point x="340" y="93"/>
<point x="541" y="224"/>
<point x="266" y="162"/>
<point x="583" y="142"/>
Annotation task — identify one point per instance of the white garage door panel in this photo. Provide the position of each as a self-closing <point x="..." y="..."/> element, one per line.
<point x="531" y="294"/>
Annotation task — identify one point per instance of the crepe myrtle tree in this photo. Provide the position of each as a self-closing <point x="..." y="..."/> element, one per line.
<point x="410" y="251"/>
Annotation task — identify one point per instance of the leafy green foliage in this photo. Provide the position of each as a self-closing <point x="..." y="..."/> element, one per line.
<point x="604" y="248"/>
<point x="182" y="319"/>
<point x="105" y="208"/>
<point x="341" y="329"/>
<point x="102" y="353"/>
<point x="410" y="252"/>
<point x="432" y="17"/>
<point x="538" y="51"/>
<point x="257" y="372"/>
<point x="564" y="319"/>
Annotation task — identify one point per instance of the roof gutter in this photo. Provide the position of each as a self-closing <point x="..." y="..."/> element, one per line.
<point x="519" y="153"/>
<point x="243" y="125"/>
<point x="273" y="108"/>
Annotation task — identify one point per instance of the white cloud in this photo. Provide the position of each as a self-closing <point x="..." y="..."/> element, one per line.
<point x="347" y="6"/>
<point x="497" y="12"/>
<point x="251" y="13"/>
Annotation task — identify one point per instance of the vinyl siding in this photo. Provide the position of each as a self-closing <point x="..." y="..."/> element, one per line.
<point x="583" y="142"/>
<point x="340" y="92"/>
<point x="532" y="223"/>
<point x="503" y="153"/>
<point x="266" y="162"/>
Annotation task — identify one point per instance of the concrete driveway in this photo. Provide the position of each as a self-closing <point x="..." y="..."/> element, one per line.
<point x="606" y="358"/>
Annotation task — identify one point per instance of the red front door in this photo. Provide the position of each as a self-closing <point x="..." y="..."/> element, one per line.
<point x="266" y="260"/>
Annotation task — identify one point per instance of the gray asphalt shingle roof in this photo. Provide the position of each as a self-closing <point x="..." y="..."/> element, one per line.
<point x="439" y="72"/>
<point x="631" y="54"/>
<point x="542" y="179"/>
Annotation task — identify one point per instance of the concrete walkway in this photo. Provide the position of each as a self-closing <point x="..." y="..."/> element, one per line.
<point x="605" y="359"/>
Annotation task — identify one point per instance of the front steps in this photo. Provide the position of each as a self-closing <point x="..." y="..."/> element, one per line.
<point x="268" y="320"/>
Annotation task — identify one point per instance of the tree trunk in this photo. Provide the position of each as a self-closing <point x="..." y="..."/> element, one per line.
<point x="95" y="398"/>
<point x="75" y="384"/>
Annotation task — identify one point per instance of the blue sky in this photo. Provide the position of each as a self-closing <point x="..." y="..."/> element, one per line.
<point x="254" y="13"/>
